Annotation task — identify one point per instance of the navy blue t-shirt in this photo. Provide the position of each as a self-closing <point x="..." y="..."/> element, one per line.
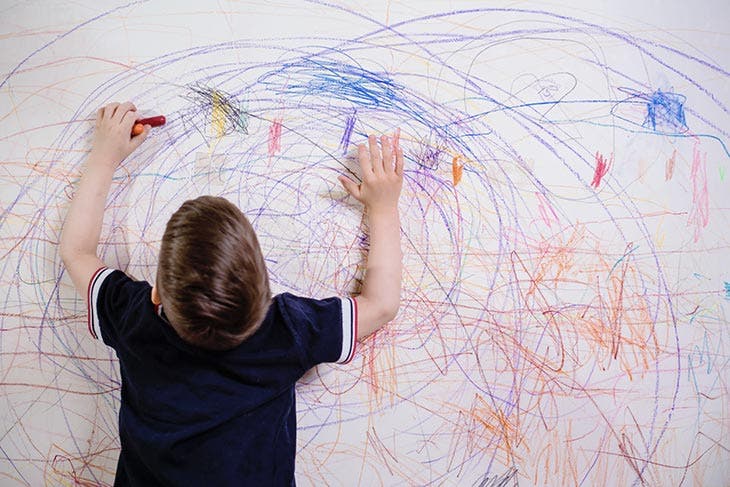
<point x="189" y="416"/>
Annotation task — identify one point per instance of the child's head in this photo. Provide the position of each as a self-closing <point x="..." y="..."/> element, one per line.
<point x="211" y="277"/>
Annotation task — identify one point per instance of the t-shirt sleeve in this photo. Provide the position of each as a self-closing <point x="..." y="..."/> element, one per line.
<point x="111" y="297"/>
<point x="324" y="329"/>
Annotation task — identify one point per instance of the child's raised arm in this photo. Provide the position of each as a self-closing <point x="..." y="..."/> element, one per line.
<point x="80" y="236"/>
<point x="382" y="179"/>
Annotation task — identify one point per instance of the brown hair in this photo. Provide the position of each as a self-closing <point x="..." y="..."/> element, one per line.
<point x="211" y="277"/>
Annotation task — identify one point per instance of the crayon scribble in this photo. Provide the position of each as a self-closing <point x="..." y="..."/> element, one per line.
<point x="347" y="134"/>
<point x="275" y="136"/>
<point x="699" y="213"/>
<point x="602" y="167"/>
<point x="665" y="112"/>
<point x="669" y="167"/>
<point x="342" y="81"/>
<point x="225" y="113"/>
<point x="457" y="169"/>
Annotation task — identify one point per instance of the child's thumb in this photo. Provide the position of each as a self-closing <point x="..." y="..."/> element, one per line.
<point x="350" y="186"/>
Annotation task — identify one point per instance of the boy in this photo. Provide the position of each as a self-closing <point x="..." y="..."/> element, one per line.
<point x="208" y="358"/>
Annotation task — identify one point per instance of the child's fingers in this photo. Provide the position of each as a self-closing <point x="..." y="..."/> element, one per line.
<point x="108" y="111"/>
<point x="375" y="160"/>
<point x="123" y="109"/>
<point x="350" y="186"/>
<point x="387" y="154"/>
<point x="99" y="116"/>
<point x="128" y="119"/>
<point x="365" y="164"/>
<point x="399" y="161"/>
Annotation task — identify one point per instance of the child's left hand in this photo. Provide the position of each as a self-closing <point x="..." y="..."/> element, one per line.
<point x="113" y="140"/>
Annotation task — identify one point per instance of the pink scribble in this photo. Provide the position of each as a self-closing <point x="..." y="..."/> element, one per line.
<point x="699" y="213"/>
<point x="275" y="137"/>
<point x="544" y="206"/>
<point x="602" y="167"/>
<point x="669" y="168"/>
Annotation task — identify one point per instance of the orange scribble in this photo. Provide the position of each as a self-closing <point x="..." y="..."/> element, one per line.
<point x="457" y="169"/>
<point x="489" y="420"/>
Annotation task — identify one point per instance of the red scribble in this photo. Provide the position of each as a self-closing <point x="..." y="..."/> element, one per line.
<point x="602" y="167"/>
<point x="275" y="137"/>
<point x="699" y="213"/>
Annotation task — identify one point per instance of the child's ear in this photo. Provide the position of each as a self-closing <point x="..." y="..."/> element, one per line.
<point x="155" y="296"/>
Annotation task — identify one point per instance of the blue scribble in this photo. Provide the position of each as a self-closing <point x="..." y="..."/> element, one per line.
<point x="349" y="125"/>
<point x="341" y="81"/>
<point x="727" y="290"/>
<point x="665" y="112"/>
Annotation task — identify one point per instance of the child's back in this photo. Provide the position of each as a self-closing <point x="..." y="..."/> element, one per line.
<point x="191" y="416"/>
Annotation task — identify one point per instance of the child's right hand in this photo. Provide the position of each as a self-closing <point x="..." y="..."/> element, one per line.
<point x="113" y="140"/>
<point x="382" y="175"/>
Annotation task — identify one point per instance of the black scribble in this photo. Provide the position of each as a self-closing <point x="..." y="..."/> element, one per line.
<point x="222" y="108"/>
<point x="507" y="478"/>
